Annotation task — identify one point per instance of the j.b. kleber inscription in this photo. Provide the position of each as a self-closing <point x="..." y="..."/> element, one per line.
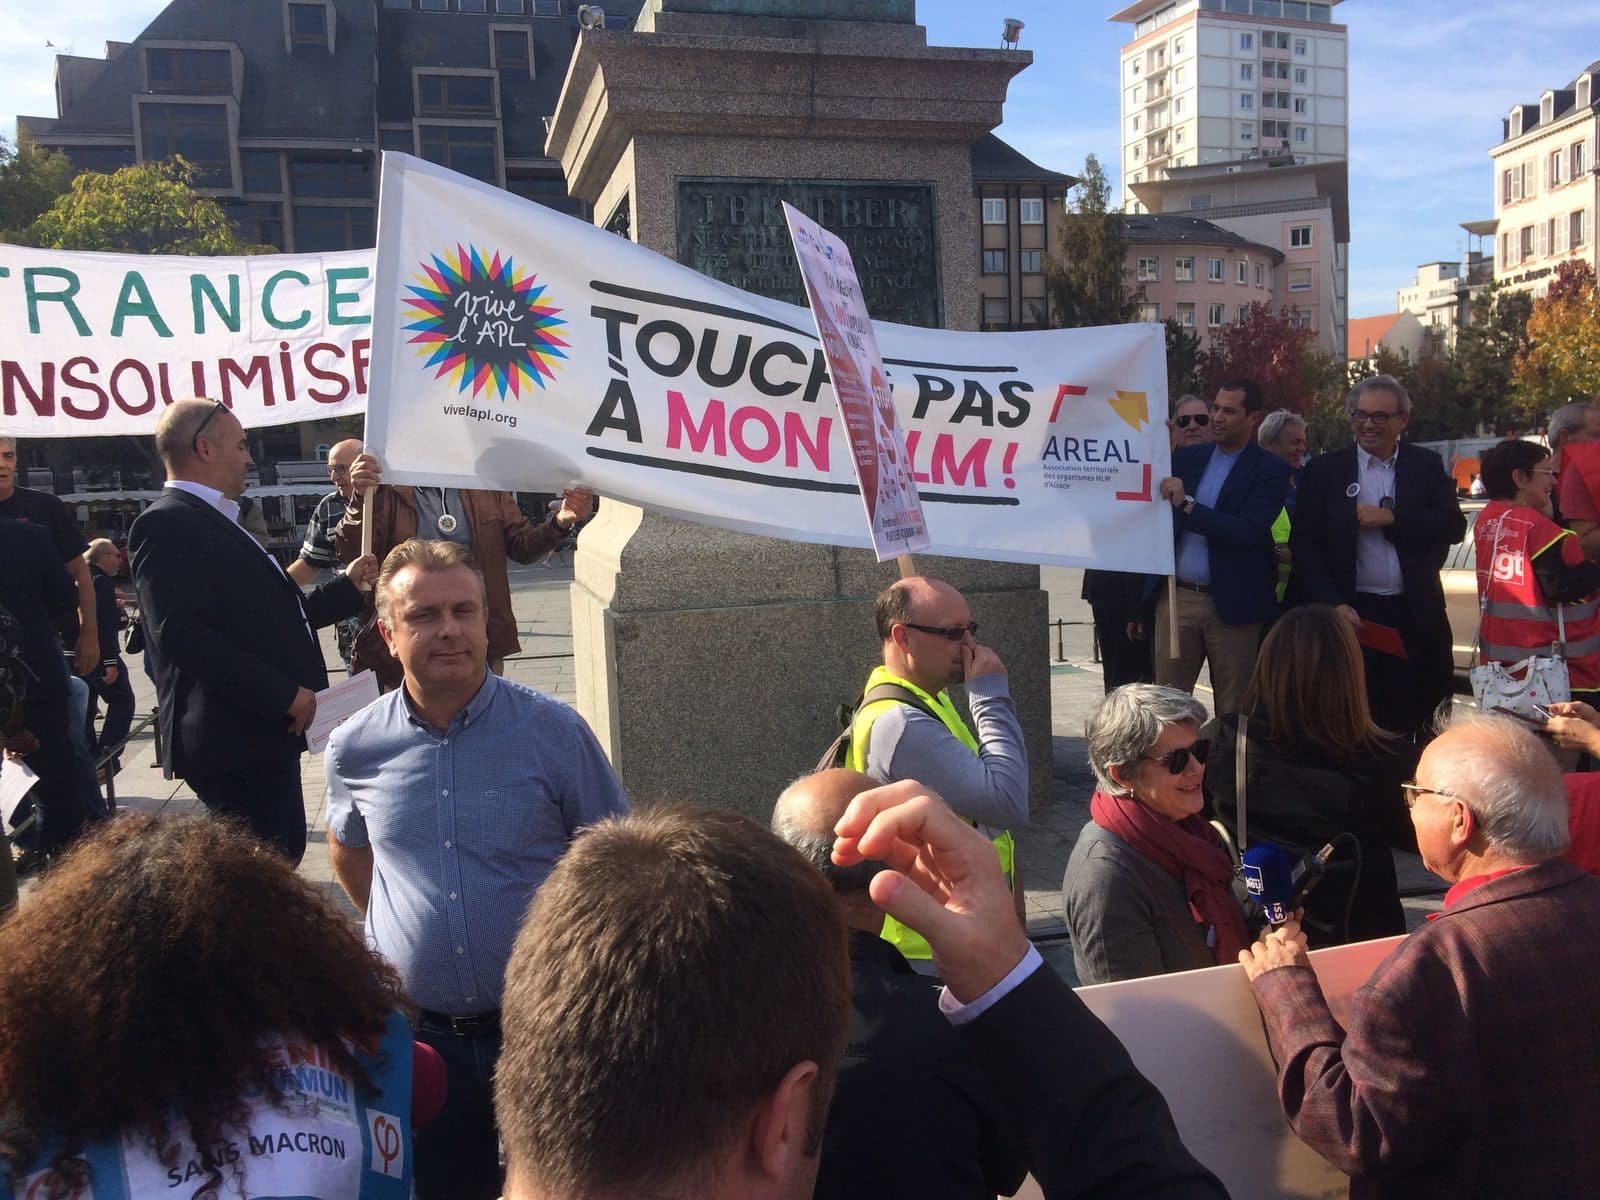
<point x="733" y="230"/>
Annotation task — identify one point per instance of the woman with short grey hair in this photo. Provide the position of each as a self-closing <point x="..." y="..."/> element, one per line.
<point x="1149" y="886"/>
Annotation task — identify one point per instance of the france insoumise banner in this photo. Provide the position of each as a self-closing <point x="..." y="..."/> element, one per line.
<point x="517" y="348"/>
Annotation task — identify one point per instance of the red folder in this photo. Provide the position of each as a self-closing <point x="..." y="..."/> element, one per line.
<point x="1385" y="639"/>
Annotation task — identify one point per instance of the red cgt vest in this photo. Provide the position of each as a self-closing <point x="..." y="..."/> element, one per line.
<point x="1517" y="619"/>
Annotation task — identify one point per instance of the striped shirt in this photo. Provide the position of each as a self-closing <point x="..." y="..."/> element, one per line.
<point x="318" y="547"/>
<point x="464" y="826"/>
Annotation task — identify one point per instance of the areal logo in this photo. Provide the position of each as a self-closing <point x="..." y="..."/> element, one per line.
<point x="484" y="324"/>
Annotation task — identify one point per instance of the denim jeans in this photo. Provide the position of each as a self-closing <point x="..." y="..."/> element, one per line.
<point x="457" y="1155"/>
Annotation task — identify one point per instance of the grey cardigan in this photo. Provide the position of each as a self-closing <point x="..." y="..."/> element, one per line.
<point x="1128" y="918"/>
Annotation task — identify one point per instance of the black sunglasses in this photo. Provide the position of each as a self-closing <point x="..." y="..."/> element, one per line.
<point x="194" y="442"/>
<point x="1176" y="760"/>
<point x="1200" y="419"/>
<point x="954" y="632"/>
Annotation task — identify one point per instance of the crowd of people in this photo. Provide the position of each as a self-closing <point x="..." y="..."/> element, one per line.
<point x="555" y="995"/>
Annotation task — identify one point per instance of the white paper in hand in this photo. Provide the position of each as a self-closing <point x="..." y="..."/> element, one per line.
<point x="16" y="777"/>
<point x="337" y="704"/>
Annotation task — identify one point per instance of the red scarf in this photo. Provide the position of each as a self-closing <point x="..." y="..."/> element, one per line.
<point x="1188" y="850"/>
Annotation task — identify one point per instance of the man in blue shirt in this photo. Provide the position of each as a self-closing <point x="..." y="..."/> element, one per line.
<point x="1225" y="498"/>
<point x="449" y="801"/>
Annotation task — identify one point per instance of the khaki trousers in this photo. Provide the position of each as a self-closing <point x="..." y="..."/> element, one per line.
<point x="1203" y="637"/>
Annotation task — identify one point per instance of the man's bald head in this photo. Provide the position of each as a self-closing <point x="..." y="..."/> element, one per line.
<point x="176" y="429"/>
<point x="805" y="815"/>
<point x="897" y="603"/>
<point x="345" y="452"/>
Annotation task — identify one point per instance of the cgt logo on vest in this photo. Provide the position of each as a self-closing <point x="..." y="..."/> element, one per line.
<point x="1069" y="460"/>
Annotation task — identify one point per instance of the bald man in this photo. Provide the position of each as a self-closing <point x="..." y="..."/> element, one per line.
<point x="237" y="660"/>
<point x="907" y="727"/>
<point x="912" y="1114"/>
<point x="319" y="553"/>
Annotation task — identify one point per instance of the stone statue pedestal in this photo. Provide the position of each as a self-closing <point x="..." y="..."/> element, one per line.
<point x="711" y="663"/>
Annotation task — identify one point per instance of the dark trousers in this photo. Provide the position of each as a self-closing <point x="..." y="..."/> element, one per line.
<point x="266" y="797"/>
<point x="60" y="798"/>
<point x="1405" y="693"/>
<point x="1122" y="659"/>
<point x="457" y="1155"/>
<point x="118" y="699"/>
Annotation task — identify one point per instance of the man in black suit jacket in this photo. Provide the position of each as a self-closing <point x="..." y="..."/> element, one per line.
<point x="1090" y="1124"/>
<point x="238" y="665"/>
<point x="1373" y="524"/>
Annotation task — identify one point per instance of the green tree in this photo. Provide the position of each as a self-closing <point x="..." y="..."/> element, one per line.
<point x="151" y="208"/>
<point x="1183" y="360"/>
<point x="31" y="177"/>
<point x="1561" y="361"/>
<point x="1085" y="281"/>
<point x="1486" y="355"/>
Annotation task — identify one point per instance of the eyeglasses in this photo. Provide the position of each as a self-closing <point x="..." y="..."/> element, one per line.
<point x="194" y="442"/>
<point x="1362" y="417"/>
<point x="336" y="471"/>
<point x="1176" y="761"/>
<point x="1200" y="419"/>
<point x="1544" y="471"/>
<point x="954" y="632"/>
<point x="1414" y="790"/>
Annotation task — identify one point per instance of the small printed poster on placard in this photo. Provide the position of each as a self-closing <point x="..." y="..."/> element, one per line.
<point x="861" y="386"/>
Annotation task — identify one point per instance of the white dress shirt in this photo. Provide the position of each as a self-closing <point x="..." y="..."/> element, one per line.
<point x="1377" y="563"/>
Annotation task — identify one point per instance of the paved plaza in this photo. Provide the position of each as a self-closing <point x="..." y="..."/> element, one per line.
<point x="544" y="626"/>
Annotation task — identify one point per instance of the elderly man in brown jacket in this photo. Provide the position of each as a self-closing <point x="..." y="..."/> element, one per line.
<point x="1469" y="1062"/>
<point x="489" y="523"/>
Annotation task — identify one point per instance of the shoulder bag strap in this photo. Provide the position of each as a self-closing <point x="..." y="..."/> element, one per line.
<point x="893" y="691"/>
<point x="1240" y="753"/>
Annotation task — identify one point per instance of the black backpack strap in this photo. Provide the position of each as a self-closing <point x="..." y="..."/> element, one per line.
<point x="893" y="691"/>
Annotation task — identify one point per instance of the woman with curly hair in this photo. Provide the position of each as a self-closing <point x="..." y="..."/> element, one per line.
<point x="182" y="1015"/>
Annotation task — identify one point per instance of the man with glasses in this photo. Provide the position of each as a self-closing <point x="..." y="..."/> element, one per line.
<point x="1373" y="524"/>
<point x="1467" y="1063"/>
<point x="318" y="553"/>
<point x="908" y="728"/>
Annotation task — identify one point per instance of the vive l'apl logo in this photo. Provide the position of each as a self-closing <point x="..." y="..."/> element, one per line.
<point x="483" y="324"/>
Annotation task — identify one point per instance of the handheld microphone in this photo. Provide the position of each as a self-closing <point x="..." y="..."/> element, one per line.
<point x="1279" y="888"/>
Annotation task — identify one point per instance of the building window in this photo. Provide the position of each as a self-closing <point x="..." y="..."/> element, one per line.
<point x="199" y="132"/>
<point x="994" y="212"/>
<point x="1505" y="187"/>
<point x="1299" y="279"/>
<point x="1178" y="106"/>
<point x="1217" y="315"/>
<point x="189" y="72"/>
<point x="261" y="171"/>
<point x="1138" y="154"/>
<point x="1261" y="275"/>
<point x="1177" y="137"/>
<point x="1200" y="201"/>
<point x="1247" y="72"/>
<point x="472" y="6"/>
<point x="397" y="139"/>
<point x="1149" y="312"/>
<point x="547" y="8"/>
<point x="514" y="8"/>
<point x="1241" y="311"/>
<point x="1505" y="249"/>
<point x="1241" y="273"/>
<point x="1177" y="46"/>
<point x="331" y="176"/>
<point x="1578" y="160"/>
<point x="994" y="262"/>
<point x="1528" y="186"/>
<point x="1214" y="271"/>
<point x="1301" y="76"/>
<point x="1577" y="229"/>
<point x="471" y="149"/>
<point x="318" y="227"/>
<point x="1136" y="124"/>
<point x="996" y="311"/>
<point x="308" y="25"/>
<point x="1032" y="262"/>
<point x="1183" y="269"/>
<point x="1300" y="47"/>
<point x="1247" y="131"/>
<point x="455" y="95"/>
<point x="1149" y="270"/>
<point x="1247" y="41"/>
<point x="434" y="5"/>
<point x="512" y="49"/>
<point x="1300" y="134"/>
<point x="1302" y="105"/>
<point x="1299" y="237"/>
<point x="1526" y="243"/>
<point x="105" y="159"/>
<point x="1247" y="102"/>
<point x="1031" y="210"/>
<point x="1186" y="315"/>
<point x="1178" y="76"/>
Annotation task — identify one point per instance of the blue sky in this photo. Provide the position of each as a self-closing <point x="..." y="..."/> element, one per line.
<point x="1429" y="82"/>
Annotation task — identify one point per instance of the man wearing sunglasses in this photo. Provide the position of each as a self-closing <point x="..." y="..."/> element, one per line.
<point x="1372" y="526"/>
<point x="908" y="728"/>
<point x="1466" y="1066"/>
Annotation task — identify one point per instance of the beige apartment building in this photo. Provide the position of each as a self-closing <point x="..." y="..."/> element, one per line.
<point x="1440" y="298"/>
<point x="1547" y="189"/>
<point x="1211" y="81"/>
<point x="1021" y="205"/>
<point x="1197" y="273"/>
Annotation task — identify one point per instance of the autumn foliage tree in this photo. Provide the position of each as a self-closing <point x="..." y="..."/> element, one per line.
<point x="1560" y="361"/>
<point x="1269" y="348"/>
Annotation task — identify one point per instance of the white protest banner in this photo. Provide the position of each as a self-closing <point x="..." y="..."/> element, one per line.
<point x="856" y="370"/>
<point x="517" y="348"/>
<point x="1197" y="1036"/>
<point x="98" y="344"/>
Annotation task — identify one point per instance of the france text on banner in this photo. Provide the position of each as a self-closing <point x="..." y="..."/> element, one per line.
<point x="98" y="344"/>
<point x="517" y="348"/>
<point x="856" y="370"/>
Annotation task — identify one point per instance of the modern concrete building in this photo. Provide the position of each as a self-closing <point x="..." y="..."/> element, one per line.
<point x="1300" y="210"/>
<point x="1212" y="81"/>
<point x="1546" y="186"/>
<point x="1198" y="273"/>
<point x="1020" y="209"/>
<point x="1441" y="296"/>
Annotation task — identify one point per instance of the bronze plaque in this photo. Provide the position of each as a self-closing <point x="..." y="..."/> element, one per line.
<point x="733" y="230"/>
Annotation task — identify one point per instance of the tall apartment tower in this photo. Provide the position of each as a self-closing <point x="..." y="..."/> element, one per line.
<point x="1212" y="81"/>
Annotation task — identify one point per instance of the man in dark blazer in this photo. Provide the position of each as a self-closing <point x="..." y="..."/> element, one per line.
<point x="1467" y="1065"/>
<point x="1224" y="498"/>
<point x="1373" y="524"/>
<point x="238" y="665"/>
<point x="1089" y="1123"/>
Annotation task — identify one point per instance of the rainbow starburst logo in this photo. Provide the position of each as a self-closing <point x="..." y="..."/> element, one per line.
<point x="483" y="323"/>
